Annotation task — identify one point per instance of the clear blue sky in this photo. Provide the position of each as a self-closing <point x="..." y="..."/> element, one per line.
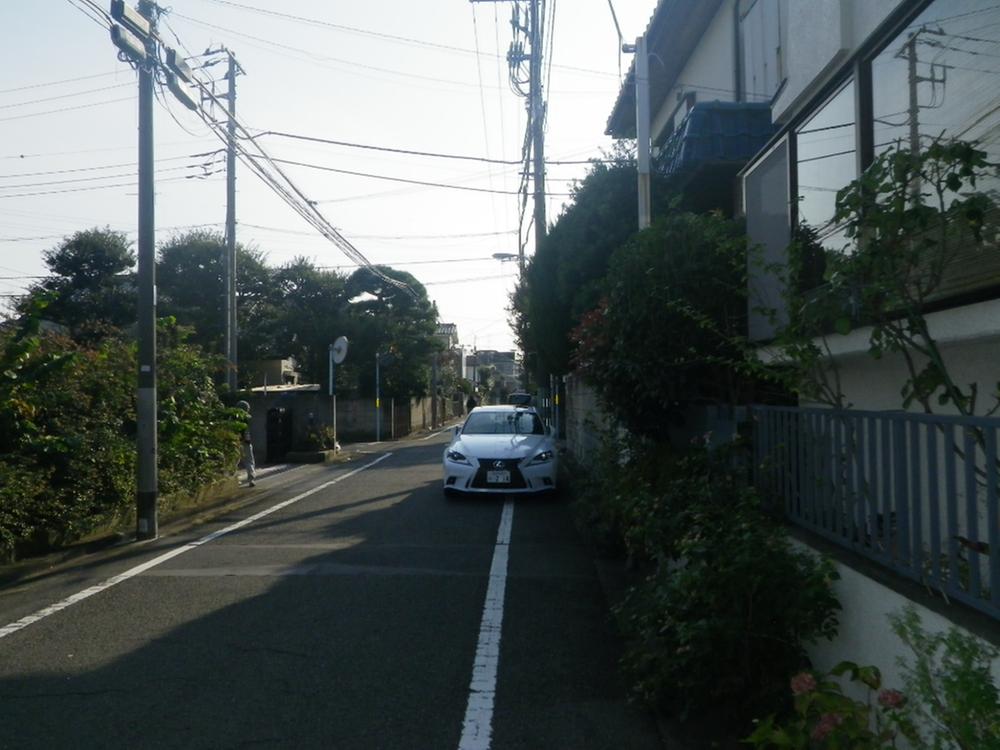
<point x="391" y="73"/>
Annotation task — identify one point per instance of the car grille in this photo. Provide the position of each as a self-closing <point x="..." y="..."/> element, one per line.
<point x="493" y="464"/>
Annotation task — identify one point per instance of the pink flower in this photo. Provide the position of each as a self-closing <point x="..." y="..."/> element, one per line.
<point x="826" y="724"/>
<point x="891" y="699"/>
<point x="803" y="683"/>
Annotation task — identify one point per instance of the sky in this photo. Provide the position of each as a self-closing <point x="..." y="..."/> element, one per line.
<point x="428" y="76"/>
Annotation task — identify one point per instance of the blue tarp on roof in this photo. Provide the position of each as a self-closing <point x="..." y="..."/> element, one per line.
<point x="716" y="132"/>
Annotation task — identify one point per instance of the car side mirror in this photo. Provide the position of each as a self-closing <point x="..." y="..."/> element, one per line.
<point x="548" y="429"/>
<point x="457" y="430"/>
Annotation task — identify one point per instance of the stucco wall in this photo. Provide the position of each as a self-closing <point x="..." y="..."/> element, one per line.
<point x="585" y="420"/>
<point x="355" y="417"/>
<point x="865" y="636"/>
<point x="822" y="35"/>
<point x="709" y="72"/>
<point x="969" y="338"/>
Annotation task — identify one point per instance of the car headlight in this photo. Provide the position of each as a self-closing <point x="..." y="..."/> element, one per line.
<point x="456" y="457"/>
<point x="542" y="458"/>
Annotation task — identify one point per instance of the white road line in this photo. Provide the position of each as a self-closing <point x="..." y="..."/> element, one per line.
<point x="477" y="729"/>
<point x="433" y="434"/>
<point x="137" y="570"/>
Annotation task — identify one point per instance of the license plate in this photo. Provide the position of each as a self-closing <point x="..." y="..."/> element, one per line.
<point x="498" y="477"/>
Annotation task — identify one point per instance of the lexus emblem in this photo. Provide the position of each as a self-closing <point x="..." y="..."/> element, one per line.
<point x="498" y="464"/>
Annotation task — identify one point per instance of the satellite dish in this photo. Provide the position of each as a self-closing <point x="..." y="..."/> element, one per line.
<point x="339" y="349"/>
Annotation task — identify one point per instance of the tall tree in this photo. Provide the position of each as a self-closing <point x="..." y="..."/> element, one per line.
<point x="92" y="287"/>
<point x="309" y="314"/>
<point x="387" y="319"/>
<point x="564" y="278"/>
<point x="191" y="288"/>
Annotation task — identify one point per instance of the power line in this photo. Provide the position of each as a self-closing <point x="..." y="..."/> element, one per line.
<point x="388" y="37"/>
<point x="59" y="82"/>
<point x="65" y="96"/>
<point x="93" y="168"/>
<point x="90" y="188"/>
<point x="320" y="58"/>
<point x="126" y="231"/>
<point x="68" y="109"/>
<point x="463" y="235"/>
<point x="281" y="184"/>
<point x="411" y="152"/>
<point x="424" y="183"/>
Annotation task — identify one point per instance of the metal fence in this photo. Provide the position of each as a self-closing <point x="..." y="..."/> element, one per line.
<point x="916" y="493"/>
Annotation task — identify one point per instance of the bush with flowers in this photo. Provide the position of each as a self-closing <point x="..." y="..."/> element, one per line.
<point x="950" y="700"/>
<point x="827" y="719"/>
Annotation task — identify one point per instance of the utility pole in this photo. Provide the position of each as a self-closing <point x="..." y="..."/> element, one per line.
<point x="232" y="329"/>
<point x="146" y="443"/>
<point x="909" y="50"/>
<point x="134" y="34"/>
<point x="537" y="108"/>
<point x="536" y="105"/>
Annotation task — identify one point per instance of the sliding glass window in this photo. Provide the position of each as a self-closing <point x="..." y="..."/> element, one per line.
<point x="826" y="146"/>
<point x="939" y="78"/>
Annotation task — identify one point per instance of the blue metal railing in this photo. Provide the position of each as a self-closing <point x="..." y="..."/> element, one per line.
<point x="916" y="493"/>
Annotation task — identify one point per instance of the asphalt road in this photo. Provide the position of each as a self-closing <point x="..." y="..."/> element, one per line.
<point x="355" y="616"/>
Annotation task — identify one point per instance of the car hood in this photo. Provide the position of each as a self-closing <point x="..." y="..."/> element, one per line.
<point x="501" y="446"/>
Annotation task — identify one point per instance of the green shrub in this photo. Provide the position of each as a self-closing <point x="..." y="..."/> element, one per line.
<point x="727" y="622"/>
<point x="198" y="434"/>
<point x="826" y="718"/>
<point x="956" y="700"/>
<point x="67" y="432"/>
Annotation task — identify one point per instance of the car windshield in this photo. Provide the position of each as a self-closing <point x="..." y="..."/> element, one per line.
<point x="503" y="423"/>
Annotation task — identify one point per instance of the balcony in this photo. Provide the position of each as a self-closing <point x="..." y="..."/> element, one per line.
<point x="715" y="133"/>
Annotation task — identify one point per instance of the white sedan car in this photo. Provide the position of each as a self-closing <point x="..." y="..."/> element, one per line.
<point x="501" y="449"/>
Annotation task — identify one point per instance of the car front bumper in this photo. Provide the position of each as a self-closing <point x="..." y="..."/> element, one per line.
<point x="522" y="478"/>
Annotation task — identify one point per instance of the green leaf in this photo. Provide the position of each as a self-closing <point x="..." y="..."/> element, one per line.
<point x="842" y="326"/>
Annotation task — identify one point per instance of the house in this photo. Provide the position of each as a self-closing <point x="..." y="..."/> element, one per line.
<point x="907" y="504"/>
<point x="710" y="84"/>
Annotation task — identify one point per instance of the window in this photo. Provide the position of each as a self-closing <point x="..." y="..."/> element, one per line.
<point x="939" y="77"/>
<point x="761" y="36"/>
<point x="826" y="161"/>
<point x="504" y="423"/>
<point x="766" y="205"/>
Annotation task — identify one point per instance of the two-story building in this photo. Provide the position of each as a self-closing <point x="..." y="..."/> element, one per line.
<point x="766" y="109"/>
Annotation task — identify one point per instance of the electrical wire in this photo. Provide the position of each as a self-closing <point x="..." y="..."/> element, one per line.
<point x="90" y="188"/>
<point x="65" y="96"/>
<point x="482" y="106"/>
<point x="411" y="152"/>
<point x="85" y="10"/>
<point x="284" y="187"/>
<point x="321" y="58"/>
<point x="388" y="37"/>
<point x="69" y="109"/>
<point x="464" y="235"/>
<point x="59" y="82"/>
<point x="404" y="180"/>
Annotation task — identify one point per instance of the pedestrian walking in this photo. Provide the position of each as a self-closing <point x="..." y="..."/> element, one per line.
<point x="246" y="447"/>
<point x="470" y="404"/>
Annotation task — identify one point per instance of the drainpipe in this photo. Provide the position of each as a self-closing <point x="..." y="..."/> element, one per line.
<point x="642" y="128"/>
<point x="739" y="94"/>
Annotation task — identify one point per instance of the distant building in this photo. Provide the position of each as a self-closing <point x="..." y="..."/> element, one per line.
<point x="447" y="334"/>
<point x="270" y="372"/>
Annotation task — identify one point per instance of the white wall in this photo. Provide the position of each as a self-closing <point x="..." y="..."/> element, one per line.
<point x="865" y="636"/>
<point x="822" y="35"/>
<point x="708" y="71"/>
<point x="968" y="336"/>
